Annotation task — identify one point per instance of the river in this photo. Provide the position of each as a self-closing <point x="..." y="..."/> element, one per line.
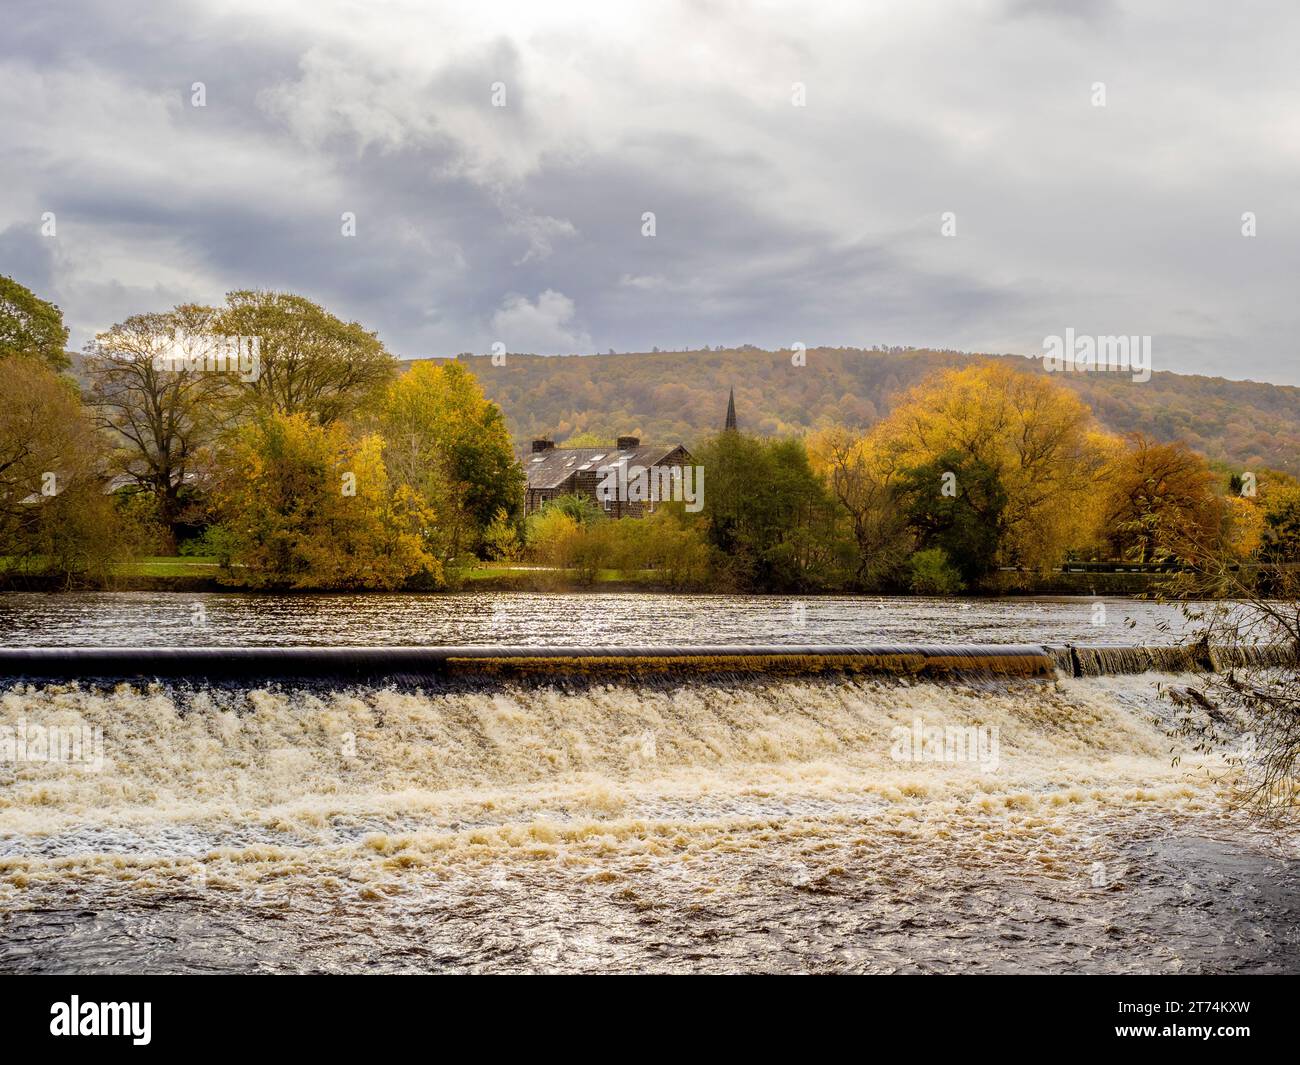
<point x="240" y="619"/>
<point x="701" y="825"/>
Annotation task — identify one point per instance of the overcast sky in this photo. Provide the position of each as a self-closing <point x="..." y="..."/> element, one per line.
<point x="775" y="223"/>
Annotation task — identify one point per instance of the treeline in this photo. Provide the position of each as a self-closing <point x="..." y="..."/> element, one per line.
<point x="682" y="396"/>
<point x="976" y="472"/>
<point x="307" y="462"/>
<point x="312" y="461"/>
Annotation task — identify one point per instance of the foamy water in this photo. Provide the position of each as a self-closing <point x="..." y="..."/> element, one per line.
<point x="749" y="824"/>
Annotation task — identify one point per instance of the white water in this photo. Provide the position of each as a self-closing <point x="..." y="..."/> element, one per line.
<point x="754" y="825"/>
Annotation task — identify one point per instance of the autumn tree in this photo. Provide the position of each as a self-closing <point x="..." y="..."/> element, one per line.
<point x="1244" y="526"/>
<point x="1279" y="539"/>
<point x="861" y="483"/>
<point x="1160" y="503"/>
<point x="451" y="446"/>
<point x="163" y="414"/>
<point x="310" y="506"/>
<point x="30" y="326"/>
<point x="311" y="362"/>
<point x="55" y="518"/>
<point x="1035" y="435"/>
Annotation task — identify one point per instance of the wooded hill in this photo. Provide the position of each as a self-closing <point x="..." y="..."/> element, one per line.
<point x="682" y="396"/>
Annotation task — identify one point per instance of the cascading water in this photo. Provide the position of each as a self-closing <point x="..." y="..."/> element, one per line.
<point x="713" y="822"/>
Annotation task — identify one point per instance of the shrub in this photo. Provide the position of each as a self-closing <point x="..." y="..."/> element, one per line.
<point x="934" y="574"/>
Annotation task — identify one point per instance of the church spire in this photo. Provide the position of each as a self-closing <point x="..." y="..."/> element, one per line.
<point x="731" y="411"/>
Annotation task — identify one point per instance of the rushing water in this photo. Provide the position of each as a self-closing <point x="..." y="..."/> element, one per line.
<point x="234" y="619"/>
<point x="744" y="823"/>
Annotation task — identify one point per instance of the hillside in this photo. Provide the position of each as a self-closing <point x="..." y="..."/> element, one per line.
<point x="682" y="396"/>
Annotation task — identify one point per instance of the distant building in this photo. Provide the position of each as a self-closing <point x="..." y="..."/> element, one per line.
<point x="563" y="471"/>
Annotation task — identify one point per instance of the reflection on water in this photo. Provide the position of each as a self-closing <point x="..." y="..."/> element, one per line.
<point x="753" y="824"/>
<point x="232" y="619"/>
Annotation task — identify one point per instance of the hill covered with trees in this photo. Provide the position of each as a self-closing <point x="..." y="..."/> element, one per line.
<point x="682" y="395"/>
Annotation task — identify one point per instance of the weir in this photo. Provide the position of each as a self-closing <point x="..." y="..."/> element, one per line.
<point x="521" y="662"/>
<point x="565" y="663"/>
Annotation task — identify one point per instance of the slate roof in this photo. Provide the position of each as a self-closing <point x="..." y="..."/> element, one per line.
<point x="550" y="469"/>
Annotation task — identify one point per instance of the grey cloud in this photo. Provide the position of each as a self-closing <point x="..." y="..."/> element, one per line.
<point x="27" y="257"/>
<point x="1092" y="11"/>
<point x="774" y="224"/>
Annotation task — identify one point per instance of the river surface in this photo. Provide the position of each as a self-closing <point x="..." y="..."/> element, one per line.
<point x="235" y="619"/>
<point x="742" y="824"/>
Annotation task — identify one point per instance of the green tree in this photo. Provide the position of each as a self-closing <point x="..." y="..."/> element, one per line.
<point x="955" y="504"/>
<point x="668" y="542"/>
<point x="552" y="536"/>
<point x="770" y="517"/>
<point x="1280" y="540"/>
<point x="501" y="538"/>
<point x="581" y="508"/>
<point x="310" y="361"/>
<point x="31" y="326"/>
<point x="164" y="417"/>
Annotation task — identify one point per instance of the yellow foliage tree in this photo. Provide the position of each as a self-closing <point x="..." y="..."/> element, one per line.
<point x="451" y="446"/>
<point x="309" y="506"/>
<point x="55" y="520"/>
<point x="1037" y="435"/>
<point x="1245" y="525"/>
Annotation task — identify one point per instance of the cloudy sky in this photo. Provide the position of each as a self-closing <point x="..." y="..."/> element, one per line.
<point x="774" y="223"/>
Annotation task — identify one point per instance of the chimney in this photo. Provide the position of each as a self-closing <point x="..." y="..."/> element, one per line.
<point x="542" y="445"/>
<point x="625" y="443"/>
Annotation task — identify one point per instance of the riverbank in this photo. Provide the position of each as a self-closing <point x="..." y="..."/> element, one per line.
<point x="164" y="574"/>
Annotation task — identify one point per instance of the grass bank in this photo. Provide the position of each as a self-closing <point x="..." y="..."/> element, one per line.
<point x="204" y="574"/>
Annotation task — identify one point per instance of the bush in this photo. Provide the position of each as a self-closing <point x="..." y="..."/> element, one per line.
<point x="550" y="534"/>
<point x="501" y="539"/>
<point x="933" y="574"/>
<point x="216" y="542"/>
<point x="669" y="543"/>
